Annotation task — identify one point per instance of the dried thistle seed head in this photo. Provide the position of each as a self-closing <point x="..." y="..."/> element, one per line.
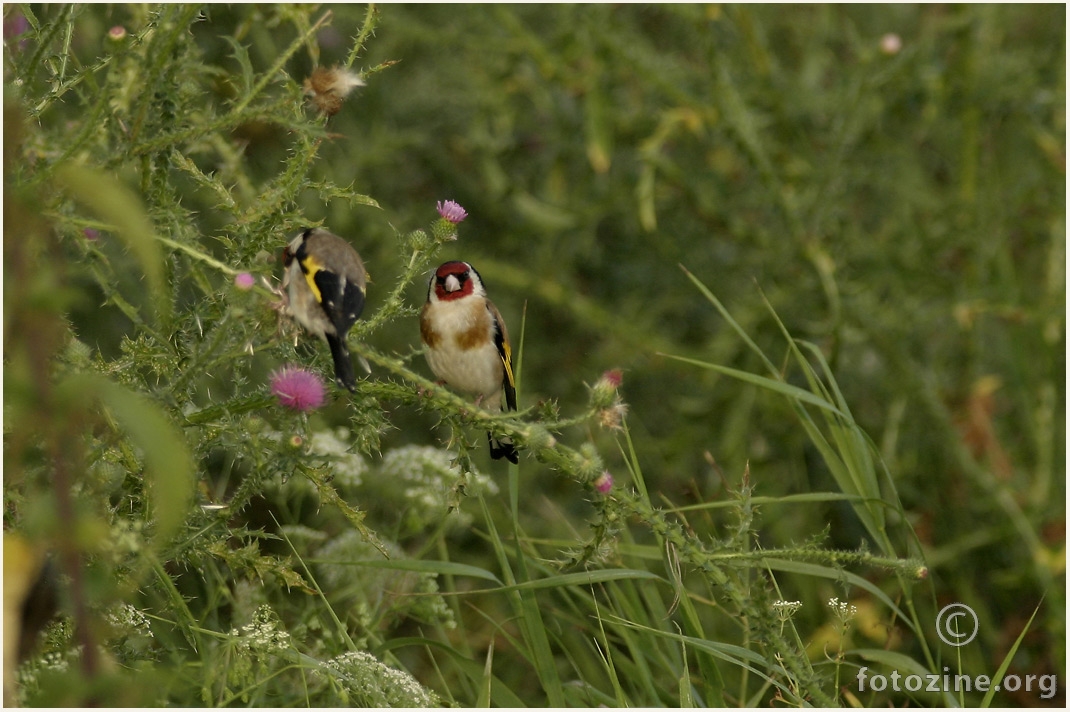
<point x="329" y="87"/>
<point x="329" y="104"/>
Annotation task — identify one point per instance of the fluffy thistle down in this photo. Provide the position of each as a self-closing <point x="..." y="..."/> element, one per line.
<point x="328" y="88"/>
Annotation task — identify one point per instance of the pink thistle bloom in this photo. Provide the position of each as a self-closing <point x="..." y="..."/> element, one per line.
<point x="244" y="281"/>
<point x="117" y="33"/>
<point x="451" y="211"/>
<point x="604" y="483"/>
<point x="91" y="234"/>
<point x="298" y="389"/>
<point x="613" y="377"/>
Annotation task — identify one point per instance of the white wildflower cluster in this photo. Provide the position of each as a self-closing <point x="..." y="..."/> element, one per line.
<point x="843" y="611"/>
<point x="375" y="684"/>
<point x="428" y="475"/>
<point x="348" y="467"/>
<point x="129" y="620"/>
<point x="55" y="661"/>
<point x="784" y="610"/>
<point x="338" y="565"/>
<point x="28" y="676"/>
<point x="375" y="594"/>
<point x="262" y="634"/>
<point x="125" y="537"/>
<point x="27" y="682"/>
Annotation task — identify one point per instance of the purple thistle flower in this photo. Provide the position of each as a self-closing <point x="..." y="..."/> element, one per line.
<point x="298" y="389"/>
<point x="604" y="483"/>
<point x="117" y="33"/>
<point x="244" y="281"/>
<point x="91" y="234"/>
<point x="451" y="211"/>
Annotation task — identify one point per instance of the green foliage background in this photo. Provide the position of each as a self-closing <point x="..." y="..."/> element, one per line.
<point x="901" y="209"/>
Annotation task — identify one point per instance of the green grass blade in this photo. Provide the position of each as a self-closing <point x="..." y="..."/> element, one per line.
<point x="445" y="568"/>
<point x="777" y="386"/>
<point x="526" y="609"/>
<point x="997" y="679"/>
<point x="483" y="700"/>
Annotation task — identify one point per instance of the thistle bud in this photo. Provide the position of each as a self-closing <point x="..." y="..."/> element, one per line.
<point x="604" y="482"/>
<point x="604" y="391"/>
<point x="587" y="462"/>
<point x="539" y="438"/>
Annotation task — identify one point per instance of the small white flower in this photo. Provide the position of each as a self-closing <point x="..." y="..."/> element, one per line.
<point x="262" y="635"/>
<point x="842" y="610"/>
<point x="55" y="661"/>
<point x="784" y="610"/>
<point x="129" y="619"/>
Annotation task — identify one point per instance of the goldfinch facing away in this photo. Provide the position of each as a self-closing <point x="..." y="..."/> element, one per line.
<point x="467" y="343"/>
<point x="326" y="282"/>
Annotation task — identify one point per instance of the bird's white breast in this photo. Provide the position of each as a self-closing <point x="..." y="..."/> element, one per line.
<point x="467" y="364"/>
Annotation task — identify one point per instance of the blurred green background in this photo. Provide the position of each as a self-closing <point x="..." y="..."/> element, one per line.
<point x="890" y="178"/>
<point x="904" y="209"/>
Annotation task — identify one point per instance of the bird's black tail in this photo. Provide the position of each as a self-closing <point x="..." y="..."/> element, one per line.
<point x="502" y="447"/>
<point x="343" y="365"/>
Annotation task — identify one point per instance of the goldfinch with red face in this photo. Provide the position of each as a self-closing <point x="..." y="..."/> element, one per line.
<point x="326" y="280"/>
<point x="467" y="345"/>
